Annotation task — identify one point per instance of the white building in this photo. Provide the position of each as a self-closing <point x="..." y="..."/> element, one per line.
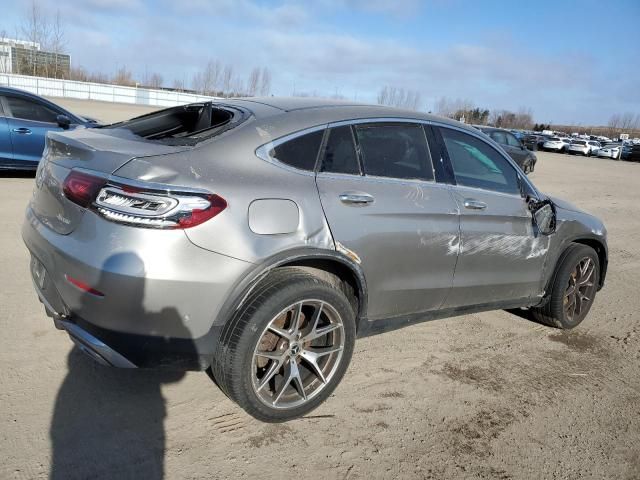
<point x="6" y="51"/>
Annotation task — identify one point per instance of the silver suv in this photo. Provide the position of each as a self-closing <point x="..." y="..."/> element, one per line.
<point x="260" y="237"/>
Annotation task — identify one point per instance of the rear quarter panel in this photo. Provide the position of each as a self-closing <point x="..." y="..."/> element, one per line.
<point x="228" y="166"/>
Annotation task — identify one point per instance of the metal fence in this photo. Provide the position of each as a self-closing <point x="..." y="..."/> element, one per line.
<point x="52" y="87"/>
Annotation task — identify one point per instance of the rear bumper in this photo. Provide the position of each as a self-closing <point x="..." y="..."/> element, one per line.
<point x="162" y="294"/>
<point x="94" y="347"/>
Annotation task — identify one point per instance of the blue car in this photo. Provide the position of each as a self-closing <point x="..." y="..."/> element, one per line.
<point x="25" y="119"/>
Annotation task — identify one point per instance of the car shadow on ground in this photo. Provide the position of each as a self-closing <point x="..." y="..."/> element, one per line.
<point x="109" y="422"/>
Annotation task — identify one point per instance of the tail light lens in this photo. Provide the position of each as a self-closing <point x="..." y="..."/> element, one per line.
<point x="171" y="208"/>
<point x="81" y="188"/>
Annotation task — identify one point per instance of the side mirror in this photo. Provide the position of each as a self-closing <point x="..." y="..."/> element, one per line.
<point x="63" y="121"/>
<point x="544" y="216"/>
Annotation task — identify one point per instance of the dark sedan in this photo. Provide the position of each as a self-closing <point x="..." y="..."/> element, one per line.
<point x="25" y="119"/>
<point x="514" y="147"/>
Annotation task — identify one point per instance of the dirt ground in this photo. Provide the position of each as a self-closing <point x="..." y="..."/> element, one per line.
<point x="480" y="396"/>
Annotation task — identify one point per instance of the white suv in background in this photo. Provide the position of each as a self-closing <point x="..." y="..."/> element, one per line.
<point x="585" y="147"/>
<point x="557" y="144"/>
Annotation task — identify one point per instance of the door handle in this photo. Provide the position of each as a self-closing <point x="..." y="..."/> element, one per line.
<point x="22" y="130"/>
<point x="472" y="204"/>
<point x="356" y="198"/>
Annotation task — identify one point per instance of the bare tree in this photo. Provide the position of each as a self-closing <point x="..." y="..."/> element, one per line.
<point x="265" y="84"/>
<point x="178" y="85"/>
<point x="35" y="30"/>
<point x="57" y="44"/>
<point x="450" y="108"/>
<point x="155" y="81"/>
<point x="253" y="82"/>
<point x="399" y="97"/>
<point x="124" y="77"/>
<point x="227" y="78"/>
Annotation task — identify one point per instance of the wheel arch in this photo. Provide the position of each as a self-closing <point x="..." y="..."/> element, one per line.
<point x="322" y="263"/>
<point x="600" y="249"/>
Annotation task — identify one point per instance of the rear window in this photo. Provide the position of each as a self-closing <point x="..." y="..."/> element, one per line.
<point x="579" y="142"/>
<point x="186" y="124"/>
<point x="554" y="139"/>
<point x="300" y="152"/>
<point x="340" y="154"/>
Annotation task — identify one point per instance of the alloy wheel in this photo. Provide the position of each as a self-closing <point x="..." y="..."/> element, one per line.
<point x="298" y="353"/>
<point x="580" y="290"/>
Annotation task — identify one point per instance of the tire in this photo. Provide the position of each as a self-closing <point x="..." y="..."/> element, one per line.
<point x="557" y="312"/>
<point x="254" y="381"/>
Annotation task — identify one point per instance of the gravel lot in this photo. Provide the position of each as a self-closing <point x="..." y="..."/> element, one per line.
<point x="480" y="396"/>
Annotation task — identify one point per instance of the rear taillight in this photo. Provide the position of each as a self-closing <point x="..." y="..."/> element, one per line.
<point x="168" y="208"/>
<point x="82" y="188"/>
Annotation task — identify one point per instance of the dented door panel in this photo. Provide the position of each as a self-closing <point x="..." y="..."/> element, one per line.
<point x="501" y="254"/>
<point x="406" y="238"/>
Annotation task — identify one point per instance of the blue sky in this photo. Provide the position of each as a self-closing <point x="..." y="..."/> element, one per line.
<point x="569" y="61"/>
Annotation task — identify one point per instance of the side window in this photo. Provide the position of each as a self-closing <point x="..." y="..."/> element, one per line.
<point x="477" y="164"/>
<point x="300" y="152"/>
<point x="397" y="150"/>
<point x="499" y="137"/>
<point x="28" y="110"/>
<point x="512" y="140"/>
<point x="340" y="153"/>
<point x="1" y="109"/>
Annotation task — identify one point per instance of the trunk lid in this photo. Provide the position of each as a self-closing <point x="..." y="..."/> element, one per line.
<point x="96" y="151"/>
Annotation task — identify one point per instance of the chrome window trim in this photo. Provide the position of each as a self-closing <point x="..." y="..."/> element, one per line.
<point x="379" y="179"/>
<point x="262" y="151"/>
<point x="492" y="192"/>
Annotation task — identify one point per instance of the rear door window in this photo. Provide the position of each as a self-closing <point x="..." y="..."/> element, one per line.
<point x="512" y="141"/>
<point x="29" y="110"/>
<point x="395" y="150"/>
<point x="300" y="152"/>
<point x="340" y="153"/>
<point x="499" y="137"/>
<point x="477" y="164"/>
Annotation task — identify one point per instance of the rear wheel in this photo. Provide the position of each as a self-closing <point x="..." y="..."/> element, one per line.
<point x="288" y="347"/>
<point x="573" y="290"/>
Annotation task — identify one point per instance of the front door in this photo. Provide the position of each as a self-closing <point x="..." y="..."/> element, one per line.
<point x="6" y="150"/>
<point x="386" y="211"/>
<point x="501" y="254"/>
<point x="29" y="123"/>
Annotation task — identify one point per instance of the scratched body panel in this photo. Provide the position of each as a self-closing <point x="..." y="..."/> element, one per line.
<point x="501" y="255"/>
<point x="406" y="239"/>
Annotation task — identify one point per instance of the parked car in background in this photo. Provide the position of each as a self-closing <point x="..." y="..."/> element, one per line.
<point x="514" y="147"/>
<point x="541" y="139"/>
<point x="627" y="148"/>
<point x="557" y="144"/>
<point x="530" y="141"/>
<point x="610" y="150"/>
<point x="634" y="153"/>
<point x="25" y="119"/>
<point x="585" y="147"/>
<point x="260" y="237"/>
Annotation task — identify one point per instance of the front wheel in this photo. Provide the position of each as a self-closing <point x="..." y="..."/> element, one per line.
<point x="573" y="289"/>
<point x="289" y="346"/>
